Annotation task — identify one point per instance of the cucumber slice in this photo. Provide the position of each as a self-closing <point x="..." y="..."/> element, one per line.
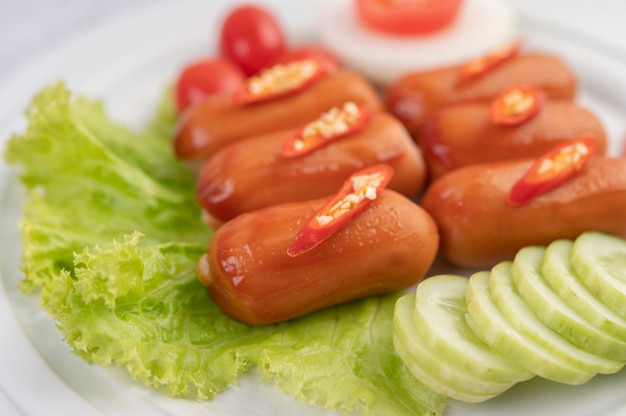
<point x="431" y="368"/>
<point x="600" y="261"/>
<point x="439" y="316"/>
<point x="520" y="316"/>
<point x="430" y="381"/>
<point x="558" y="272"/>
<point x="493" y="328"/>
<point x="554" y="312"/>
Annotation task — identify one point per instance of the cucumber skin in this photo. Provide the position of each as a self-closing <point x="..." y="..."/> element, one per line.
<point x="500" y="336"/>
<point x="590" y="259"/>
<point x="467" y="351"/>
<point x="559" y="273"/>
<point x="554" y="311"/>
<point x="423" y="362"/>
<point x="489" y="323"/>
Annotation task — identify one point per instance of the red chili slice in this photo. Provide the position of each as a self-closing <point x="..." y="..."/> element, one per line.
<point x="484" y="64"/>
<point x="336" y="123"/>
<point x="279" y="81"/>
<point x="355" y="196"/>
<point x="516" y="105"/>
<point x="552" y="169"/>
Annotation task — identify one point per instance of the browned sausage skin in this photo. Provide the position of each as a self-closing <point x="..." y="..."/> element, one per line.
<point x="416" y="96"/>
<point x="249" y="274"/>
<point x="478" y="227"/>
<point x="215" y="123"/>
<point x="252" y="174"/>
<point x="464" y="134"/>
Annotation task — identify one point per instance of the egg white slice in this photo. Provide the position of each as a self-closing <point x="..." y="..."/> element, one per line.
<point x="480" y="27"/>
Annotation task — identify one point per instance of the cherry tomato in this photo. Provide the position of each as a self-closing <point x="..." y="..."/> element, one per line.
<point x="552" y="169"/>
<point x="407" y="17"/>
<point x="251" y="37"/>
<point x="207" y="77"/>
<point x="325" y="57"/>
<point x="516" y="105"/>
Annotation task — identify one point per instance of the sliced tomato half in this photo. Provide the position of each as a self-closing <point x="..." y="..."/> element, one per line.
<point x="407" y="17"/>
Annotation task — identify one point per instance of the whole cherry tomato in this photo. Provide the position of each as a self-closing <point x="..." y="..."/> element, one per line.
<point x="407" y="17"/>
<point x="207" y="77"/>
<point x="325" y="57"/>
<point x="251" y="37"/>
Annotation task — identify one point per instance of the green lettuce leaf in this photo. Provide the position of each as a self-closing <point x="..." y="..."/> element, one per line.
<point x="111" y="234"/>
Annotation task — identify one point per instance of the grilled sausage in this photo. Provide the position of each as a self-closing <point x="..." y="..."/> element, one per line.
<point x="478" y="227"/>
<point x="217" y="122"/>
<point x="249" y="274"/>
<point x="253" y="174"/>
<point x="416" y="96"/>
<point x="464" y="134"/>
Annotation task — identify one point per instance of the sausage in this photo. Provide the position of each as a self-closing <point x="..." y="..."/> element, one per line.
<point x="464" y="134"/>
<point x="249" y="274"/>
<point x="416" y="96"/>
<point x="252" y="174"/>
<point x="204" y="129"/>
<point x="479" y="228"/>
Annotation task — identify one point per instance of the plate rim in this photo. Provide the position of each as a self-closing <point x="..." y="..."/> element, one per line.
<point x="8" y="175"/>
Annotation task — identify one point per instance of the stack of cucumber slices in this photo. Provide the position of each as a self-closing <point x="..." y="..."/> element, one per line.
<point x="557" y="312"/>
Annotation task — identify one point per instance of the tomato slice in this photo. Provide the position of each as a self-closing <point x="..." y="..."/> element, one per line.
<point x="251" y="37"/>
<point x="336" y="123"/>
<point x="407" y="17"/>
<point x="355" y="196"/>
<point x="207" y="77"/>
<point x="279" y="81"/>
<point x="484" y="64"/>
<point x="516" y="105"/>
<point x="552" y="169"/>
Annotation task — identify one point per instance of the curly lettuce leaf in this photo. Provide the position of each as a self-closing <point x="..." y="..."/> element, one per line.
<point x="86" y="187"/>
<point x="111" y="234"/>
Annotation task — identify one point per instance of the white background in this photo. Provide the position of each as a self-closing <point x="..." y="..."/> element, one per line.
<point x="31" y="28"/>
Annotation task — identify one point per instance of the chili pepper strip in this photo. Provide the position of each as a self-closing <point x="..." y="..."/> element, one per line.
<point x="279" y="81"/>
<point x="336" y="123"/>
<point x="516" y="105"/>
<point x="552" y="169"/>
<point x="484" y="64"/>
<point x="355" y="196"/>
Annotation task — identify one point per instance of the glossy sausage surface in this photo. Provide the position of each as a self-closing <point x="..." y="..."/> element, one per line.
<point x="464" y="134"/>
<point x="215" y="123"/>
<point x="249" y="274"/>
<point x="478" y="227"/>
<point x="252" y="174"/>
<point x="415" y="97"/>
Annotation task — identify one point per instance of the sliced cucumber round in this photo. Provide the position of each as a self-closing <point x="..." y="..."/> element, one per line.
<point x="439" y="317"/>
<point x="558" y="272"/>
<point x="431" y="381"/>
<point x="489" y="323"/>
<point x="552" y="311"/>
<point x="522" y="318"/>
<point x="600" y="261"/>
<point x="430" y="367"/>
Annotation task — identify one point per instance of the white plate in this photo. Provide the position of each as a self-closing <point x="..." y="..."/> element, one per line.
<point x="127" y="62"/>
